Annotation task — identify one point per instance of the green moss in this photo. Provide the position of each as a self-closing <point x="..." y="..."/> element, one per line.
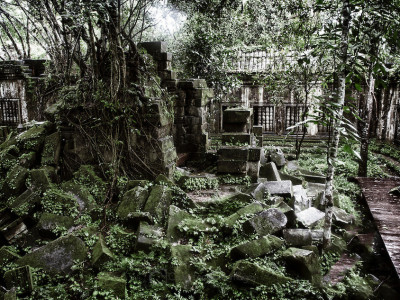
<point x="87" y="176"/>
<point x="15" y="180"/>
<point x="115" y="284"/>
<point x="101" y="254"/>
<point x="58" y="202"/>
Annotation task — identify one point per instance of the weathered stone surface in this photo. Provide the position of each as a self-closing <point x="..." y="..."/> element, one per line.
<point x="176" y="215"/>
<point x="133" y="201"/>
<point x="20" y="278"/>
<point x="257" y="130"/>
<point x="253" y="170"/>
<point x="51" y="150"/>
<point x="304" y="263"/>
<point x="57" y="256"/>
<point x="101" y="254"/>
<point x="270" y="172"/>
<point x="40" y="179"/>
<point x="313" y="189"/>
<point x="255" y="154"/>
<point x="59" y="202"/>
<point x="87" y="176"/>
<point x="250" y="273"/>
<point x="317" y="235"/>
<point x="256" y="248"/>
<point x="250" y="209"/>
<point x="297" y="237"/>
<point x="287" y="210"/>
<point x="48" y="222"/>
<point x="295" y="180"/>
<point x="7" y="256"/>
<point x="27" y="160"/>
<point x="115" y="284"/>
<point x="237" y="115"/>
<point x="13" y="230"/>
<point x="279" y="188"/>
<point x="25" y="203"/>
<point x="82" y="195"/>
<point x="15" y="180"/>
<point x="33" y="138"/>
<point x="158" y="202"/>
<point x="257" y="191"/>
<point x="278" y="157"/>
<point x="341" y="216"/>
<point x="232" y="166"/>
<point x="184" y="273"/>
<point x="310" y="217"/>
<point x="267" y="222"/>
<point x="147" y="236"/>
<point x="233" y="153"/>
<point x="300" y="198"/>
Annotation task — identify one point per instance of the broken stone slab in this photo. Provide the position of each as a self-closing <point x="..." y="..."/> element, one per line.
<point x="51" y="149"/>
<point x="249" y="210"/>
<point x="101" y="254"/>
<point x="297" y="237"/>
<point x="228" y="204"/>
<point x="287" y="210"/>
<point x="25" y="204"/>
<point x="255" y="154"/>
<point x="33" y="138"/>
<point x="310" y="217"/>
<point x="176" y="216"/>
<point x="15" y="181"/>
<point x="253" y="170"/>
<point x="133" y="201"/>
<point x="9" y="295"/>
<point x="300" y="199"/>
<point x="158" y="202"/>
<point x="19" y="278"/>
<point x="279" y="188"/>
<point x="237" y="115"/>
<point x="303" y="263"/>
<point x="184" y="272"/>
<point x="341" y="216"/>
<point x="295" y="180"/>
<point x="13" y="230"/>
<point x="57" y="256"/>
<point x="270" y="221"/>
<point x="250" y="273"/>
<point x="278" y="157"/>
<point x="49" y="222"/>
<point x="257" y="191"/>
<point x="82" y="195"/>
<point x="314" y="178"/>
<point x="7" y="256"/>
<point x="317" y="235"/>
<point x="270" y="172"/>
<point x="313" y="189"/>
<point x="147" y="236"/>
<point x="112" y="283"/>
<point x="66" y="203"/>
<point x="28" y="160"/>
<point x="256" y="248"/>
<point x="87" y="176"/>
<point x="40" y="179"/>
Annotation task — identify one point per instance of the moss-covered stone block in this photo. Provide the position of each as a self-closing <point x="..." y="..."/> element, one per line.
<point x="33" y="138"/>
<point x="184" y="272"/>
<point x="131" y="184"/>
<point x="101" y="254"/>
<point x="158" y="202"/>
<point x="147" y="236"/>
<point x="28" y="160"/>
<point x="87" y="176"/>
<point x="57" y="256"/>
<point x="113" y="283"/>
<point x="51" y="150"/>
<point x="19" y="278"/>
<point x="304" y="263"/>
<point x="133" y="201"/>
<point x="15" y="181"/>
<point x="270" y="221"/>
<point x="250" y="273"/>
<point x="248" y="210"/>
<point x="176" y="216"/>
<point x="13" y="231"/>
<point x="39" y="179"/>
<point x="58" y="202"/>
<point x="49" y="223"/>
<point x="82" y="195"/>
<point x="25" y="203"/>
<point x="8" y="157"/>
<point x="257" y="248"/>
<point x="7" y="256"/>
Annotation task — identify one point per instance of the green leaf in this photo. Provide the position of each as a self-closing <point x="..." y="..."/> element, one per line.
<point x="358" y="87"/>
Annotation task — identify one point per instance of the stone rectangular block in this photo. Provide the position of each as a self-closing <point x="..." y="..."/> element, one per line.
<point x="192" y="84"/>
<point x="255" y="154"/>
<point x="253" y="170"/>
<point x="232" y="166"/>
<point x="257" y="130"/>
<point x="270" y="172"/>
<point x="233" y="153"/>
<point x="280" y="188"/>
<point x="237" y="115"/>
<point x="153" y="47"/>
<point x="236" y="127"/>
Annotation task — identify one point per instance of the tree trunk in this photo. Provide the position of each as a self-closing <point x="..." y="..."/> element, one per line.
<point x="332" y="152"/>
<point x="366" y="124"/>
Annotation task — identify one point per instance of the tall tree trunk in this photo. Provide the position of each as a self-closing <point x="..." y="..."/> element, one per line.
<point x="332" y="151"/>
<point x="366" y="124"/>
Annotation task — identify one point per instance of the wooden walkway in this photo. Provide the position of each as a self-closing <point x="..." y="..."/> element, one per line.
<point x="385" y="209"/>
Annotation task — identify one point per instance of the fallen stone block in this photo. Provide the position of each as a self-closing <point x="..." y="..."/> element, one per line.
<point x="51" y="149"/>
<point x="278" y="157"/>
<point x="232" y="166"/>
<point x="112" y="283"/>
<point x="49" y="222"/>
<point x="15" y="181"/>
<point x="256" y="248"/>
<point x="300" y="199"/>
<point x="297" y="237"/>
<point x="303" y="263"/>
<point x="147" y="236"/>
<point x="33" y="138"/>
<point x="13" y="230"/>
<point x="82" y="196"/>
<point x="184" y="272"/>
<point x="341" y="217"/>
<point x="158" y="202"/>
<point x="28" y="160"/>
<point x="101" y="254"/>
<point x="20" y="278"/>
<point x="279" y="188"/>
<point x="25" y="203"/>
<point x="253" y="170"/>
<point x="176" y="216"/>
<point x="270" y="221"/>
<point x="270" y="172"/>
<point x="295" y="180"/>
<point x="248" y="210"/>
<point x="40" y="179"/>
<point x="7" y="256"/>
<point x="310" y="217"/>
<point x="133" y="201"/>
<point x="252" y="274"/>
<point x="287" y="210"/>
<point x="57" y="256"/>
<point x="257" y="191"/>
